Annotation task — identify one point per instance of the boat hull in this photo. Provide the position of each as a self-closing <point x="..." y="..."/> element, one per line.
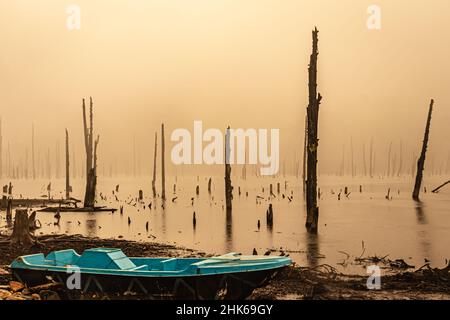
<point x="228" y="286"/>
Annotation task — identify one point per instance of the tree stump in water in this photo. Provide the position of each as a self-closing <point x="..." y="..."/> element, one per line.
<point x="21" y="233"/>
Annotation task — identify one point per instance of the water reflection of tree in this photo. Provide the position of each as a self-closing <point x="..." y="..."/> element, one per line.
<point x="312" y="249"/>
<point x="422" y="233"/>
<point x="229" y="231"/>
<point x="421" y="216"/>
<point x="91" y="227"/>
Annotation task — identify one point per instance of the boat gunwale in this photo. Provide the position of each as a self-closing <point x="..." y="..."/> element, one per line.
<point x="278" y="263"/>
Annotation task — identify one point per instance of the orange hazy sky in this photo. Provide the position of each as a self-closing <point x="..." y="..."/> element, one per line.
<point x="227" y="62"/>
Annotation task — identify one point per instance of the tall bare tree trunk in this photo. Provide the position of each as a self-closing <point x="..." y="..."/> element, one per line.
<point x="67" y="166"/>
<point x="32" y="152"/>
<point x="371" y="158"/>
<point x="154" y="165"/>
<point x="305" y="147"/>
<point x="421" y="161"/>
<point x="389" y="160"/>
<point x="312" y="219"/>
<point x="364" y="159"/>
<point x="91" y="156"/>
<point x="163" y="166"/>
<point x="400" y="164"/>
<point x="228" y="185"/>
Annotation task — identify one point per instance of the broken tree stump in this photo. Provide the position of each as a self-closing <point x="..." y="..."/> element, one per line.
<point x="21" y="232"/>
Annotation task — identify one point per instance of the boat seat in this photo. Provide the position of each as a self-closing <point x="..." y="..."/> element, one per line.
<point x="169" y="264"/>
<point x="144" y="267"/>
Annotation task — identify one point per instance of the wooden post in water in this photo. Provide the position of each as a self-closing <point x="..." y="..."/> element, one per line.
<point x="421" y="161"/>
<point x="312" y="219"/>
<point x="163" y="167"/>
<point x="67" y="166"/>
<point x="154" y="165"/>
<point x="228" y="185"/>
<point x="209" y="185"/>
<point x="91" y="156"/>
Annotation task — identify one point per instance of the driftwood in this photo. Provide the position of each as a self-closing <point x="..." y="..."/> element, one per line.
<point x="440" y="187"/>
<point x="421" y="161"/>
<point x="312" y="219"/>
<point x="73" y="209"/>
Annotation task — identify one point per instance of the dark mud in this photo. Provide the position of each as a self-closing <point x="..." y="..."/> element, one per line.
<point x="294" y="283"/>
<point x="325" y="283"/>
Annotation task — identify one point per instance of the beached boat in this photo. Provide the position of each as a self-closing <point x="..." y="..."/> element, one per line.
<point x="107" y="270"/>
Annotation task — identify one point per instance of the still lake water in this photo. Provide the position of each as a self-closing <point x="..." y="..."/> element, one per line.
<point x="400" y="228"/>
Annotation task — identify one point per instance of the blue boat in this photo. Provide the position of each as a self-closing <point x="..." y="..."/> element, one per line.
<point x="108" y="270"/>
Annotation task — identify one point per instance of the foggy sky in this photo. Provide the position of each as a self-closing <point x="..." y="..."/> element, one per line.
<point x="226" y="62"/>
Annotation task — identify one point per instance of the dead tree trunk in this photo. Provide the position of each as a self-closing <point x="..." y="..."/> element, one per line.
<point x="305" y="147"/>
<point x="67" y="167"/>
<point x="32" y="152"/>
<point x="21" y="233"/>
<point x="400" y="165"/>
<point x="154" y="166"/>
<point x="228" y="185"/>
<point x="163" y="167"/>
<point x="364" y="159"/>
<point x="371" y="159"/>
<point x="389" y="160"/>
<point x="91" y="157"/>
<point x="421" y="161"/>
<point x="312" y="219"/>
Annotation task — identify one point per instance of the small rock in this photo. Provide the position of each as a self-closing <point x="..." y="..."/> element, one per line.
<point x="35" y="296"/>
<point x="3" y="272"/>
<point x="4" y="294"/>
<point x="16" y="296"/>
<point x="16" y="286"/>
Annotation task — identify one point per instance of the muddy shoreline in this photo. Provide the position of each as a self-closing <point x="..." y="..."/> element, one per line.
<point x="322" y="282"/>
